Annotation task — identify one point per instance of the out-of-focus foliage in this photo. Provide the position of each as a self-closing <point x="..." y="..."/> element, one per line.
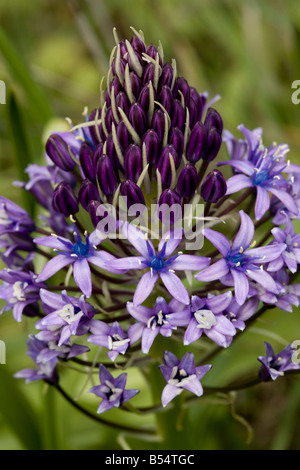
<point x="52" y="58"/>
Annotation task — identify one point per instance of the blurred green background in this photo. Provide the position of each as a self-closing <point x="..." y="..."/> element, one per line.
<point x="52" y="57"/>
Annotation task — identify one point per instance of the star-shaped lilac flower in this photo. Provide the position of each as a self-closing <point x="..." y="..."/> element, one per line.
<point x="263" y="171"/>
<point x="78" y="254"/>
<point x="20" y="290"/>
<point x="290" y="257"/>
<point x="161" y="319"/>
<point x="158" y="264"/>
<point x="112" y="337"/>
<point x="68" y="316"/>
<point x="274" y="366"/>
<point x="240" y="260"/>
<point x="287" y="296"/>
<point x="181" y="374"/>
<point x="206" y="316"/>
<point x="112" y="390"/>
<point x="45" y="355"/>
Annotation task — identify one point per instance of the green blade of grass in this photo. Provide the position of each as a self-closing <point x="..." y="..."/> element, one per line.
<point x="36" y="100"/>
<point x="18" y="412"/>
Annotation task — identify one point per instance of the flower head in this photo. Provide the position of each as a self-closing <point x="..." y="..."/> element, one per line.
<point x="241" y="260"/>
<point x="273" y="365"/>
<point x="181" y="374"/>
<point x="78" y="254"/>
<point x="112" y="390"/>
<point x="158" y="263"/>
<point x="262" y="170"/>
<point x="163" y="318"/>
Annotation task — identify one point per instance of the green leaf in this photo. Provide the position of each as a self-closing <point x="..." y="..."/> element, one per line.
<point x="18" y="412"/>
<point x="35" y="98"/>
<point x="16" y="129"/>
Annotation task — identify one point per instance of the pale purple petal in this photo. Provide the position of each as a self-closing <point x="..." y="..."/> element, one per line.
<point x="266" y="253"/>
<point x="148" y="337"/>
<point x="173" y="239"/>
<point x="145" y="287"/>
<point x="137" y="239"/>
<point x="189" y="263"/>
<point x="175" y="286"/>
<point x="213" y="272"/>
<point x="135" y="332"/>
<point x="53" y="242"/>
<point x="263" y="201"/>
<point x="263" y="278"/>
<point x="285" y="198"/>
<point x="219" y="338"/>
<point x="241" y="286"/>
<point x="169" y="392"/>
<point x="140" y="313"/>
<point x="192" y="333"/>
<point x="192" y="384"/>
<point x="218" y="240"/>
<point x="219" y="303"/>
<point x="245" y="234"/>
<point x="131" y="262"/>
<point x="54" y="266"/>
<point x="238" y="182"/>
<point x="242" y="166"/>
<point x="82" y="276"/>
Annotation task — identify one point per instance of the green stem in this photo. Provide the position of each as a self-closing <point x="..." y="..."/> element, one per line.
<point x="98" y="419"/>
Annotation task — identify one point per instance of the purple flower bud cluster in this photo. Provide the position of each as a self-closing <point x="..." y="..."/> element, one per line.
<point x="114" y="293"/>
<point x="152" y="125"/>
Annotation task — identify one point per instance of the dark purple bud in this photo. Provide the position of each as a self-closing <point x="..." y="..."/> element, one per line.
<point x="111" y="151"/>
<point x="109" y="119"/>
<point x="57" y="150"/>
<point x="137" y="44"/>
<point x="152" y="143"/>
<point x="122" y="65"/>
<point x="178" y="115"/>
<point x="144" y="98"/>
<point x="123" y="102"/>
<point x="135" y="65"/>
<point x="158" y="123"/>
<point x="115" y="83"/>
<point x="98" y="152"/>
<point x="171" y="200"/>
<point x="87" y="193"/>
<point x="148" y="74"/>
<point x="132" y="192"/>
<point x="151" y="51"/>
<point x="64" y="200"/>
<point x="193" y="113"/>
<point x="137" y="118"/>
<point x="214" y="187"/>
<point x="181" y="88"/>
<point x="95" y="131"/>
<point x="123" y="136"/>
<point x="133" y="162"/>
<point x="213" y="119"/>
<point x="197" y="143"/>
<point x="135" y="84"/>
<point x="92" y="210"/>
<point x="165" y="166"/>
<point x="166" y="76"/>
<point x="214" y="141"/>
<point x="123" y="48"/>
<point x="177" y="140"/>
<point x="166" y="99"/>
<point x="107" y="177"/>
<point x="86" y="161"/>
<point x="187" y="181"/>
<point x="200" y="101"/>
